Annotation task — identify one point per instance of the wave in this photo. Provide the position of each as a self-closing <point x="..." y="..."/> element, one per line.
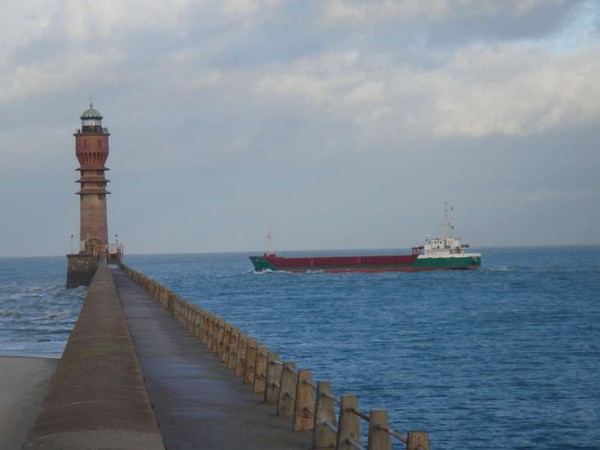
<point x="269" y="271"/>
<point x="497" y="269"/>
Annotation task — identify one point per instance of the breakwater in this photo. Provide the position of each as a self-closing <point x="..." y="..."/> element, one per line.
<point x="97" y="397"/>
<point x="335" y="422"/>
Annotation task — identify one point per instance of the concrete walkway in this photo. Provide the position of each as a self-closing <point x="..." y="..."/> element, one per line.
<point x="198" y="402"/>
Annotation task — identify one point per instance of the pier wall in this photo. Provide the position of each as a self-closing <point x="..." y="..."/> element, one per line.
<point x="81" y="269"/>
<point x="97" y="398"/>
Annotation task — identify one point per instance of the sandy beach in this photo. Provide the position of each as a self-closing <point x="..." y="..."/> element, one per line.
<point x="24" y="382"/>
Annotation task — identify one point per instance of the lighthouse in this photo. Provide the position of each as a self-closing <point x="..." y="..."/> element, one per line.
<point x="91" y="149"/>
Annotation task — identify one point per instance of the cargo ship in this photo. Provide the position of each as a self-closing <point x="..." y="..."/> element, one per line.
<point x="441" y="252"/>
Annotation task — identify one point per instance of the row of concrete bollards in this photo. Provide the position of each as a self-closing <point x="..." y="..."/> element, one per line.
<point x="281" y="384"/>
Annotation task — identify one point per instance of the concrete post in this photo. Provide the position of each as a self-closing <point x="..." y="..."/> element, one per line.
<point x="417" y="440"/>
<point x="160" y="295"/>
<point x="233" y="348"/>
<point x="190" y="318"/>
<point x="186" y="316"/>
<point x="201" y="315"/>
<point x="214" y="345"/>
<point x="273" y="377"/>
<point x="378" y="438"/>
<point x="241" y="356"/>
<point x="304" y="408"/>
<point x="287" y="393"/>
<point x="260" y="375"/>
<point x="323" y="435"/>
<point x="214" y="331"/>
<point x="172" y="298"/>
<point x="197" y="321"/>
<point x="211" y="330"/>
<point x="205" y="328"/>
<point x="250" y="361"/>
<point x="224" y="351"/>
<point x="220" y="336"/>
<point x="349" y="424"/>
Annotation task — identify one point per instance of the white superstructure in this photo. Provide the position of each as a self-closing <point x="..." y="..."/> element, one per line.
<point x="443" y="245"/>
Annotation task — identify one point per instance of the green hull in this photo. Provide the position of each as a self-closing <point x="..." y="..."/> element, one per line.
<point x="262" y="264"/>
<point x="464" y="262"/>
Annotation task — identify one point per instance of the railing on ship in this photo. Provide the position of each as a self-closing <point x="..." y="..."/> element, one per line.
<point x="310" y="407"/>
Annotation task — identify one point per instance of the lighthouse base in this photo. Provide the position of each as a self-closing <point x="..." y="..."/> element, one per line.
<point x="81" y="269"/>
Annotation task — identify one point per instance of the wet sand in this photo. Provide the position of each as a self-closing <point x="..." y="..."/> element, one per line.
<point x="23" y="384"/>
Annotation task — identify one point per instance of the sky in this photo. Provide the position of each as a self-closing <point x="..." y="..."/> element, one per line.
<point x="338" y="124"/>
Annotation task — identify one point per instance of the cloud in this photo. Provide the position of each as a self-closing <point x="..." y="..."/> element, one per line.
<point x="367" y="91"/>
<point x="476" y="91"/>
<point x="512" y="90"/>
<point x="97" y="21"/>
<point x="24" y="22"/>
<point x="71" y="70"/>
<point x="320" y="80"/>
<point x="404" y="10"/>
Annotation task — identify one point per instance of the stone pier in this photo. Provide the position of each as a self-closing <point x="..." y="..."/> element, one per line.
<point x="81" y="269"/>
<point x="97" y="397"/>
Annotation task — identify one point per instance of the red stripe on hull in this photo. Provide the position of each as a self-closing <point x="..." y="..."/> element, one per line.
<point x="378" y="270"/>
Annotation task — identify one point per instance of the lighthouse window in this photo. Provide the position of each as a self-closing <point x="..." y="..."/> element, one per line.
<point x="100" y="196"/>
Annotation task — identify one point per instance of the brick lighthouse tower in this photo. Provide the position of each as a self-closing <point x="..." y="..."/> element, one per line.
<point x="91" y="149"/>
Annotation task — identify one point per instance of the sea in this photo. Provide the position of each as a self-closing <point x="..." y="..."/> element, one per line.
<point x="506" y="357"/>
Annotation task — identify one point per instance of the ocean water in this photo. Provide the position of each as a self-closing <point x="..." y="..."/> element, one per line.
<point x="501" y="358"/>
<point x="37" y="312"/>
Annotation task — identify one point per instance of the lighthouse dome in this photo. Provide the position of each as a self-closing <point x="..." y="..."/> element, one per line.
<point x="91" y="114"/>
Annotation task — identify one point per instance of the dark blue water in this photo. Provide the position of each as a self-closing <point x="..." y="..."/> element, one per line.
<point x="504" y="357"/>
<point x="37" y="312"/>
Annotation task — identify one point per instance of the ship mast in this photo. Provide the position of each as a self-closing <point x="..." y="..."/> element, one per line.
<point x="269" y="242"/>
<point x="446" y="227"/>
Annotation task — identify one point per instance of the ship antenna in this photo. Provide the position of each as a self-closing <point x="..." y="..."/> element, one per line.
<point x="447" y="212"/>
<point x="446" y="227"/>
<point x="269" y="242"/>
